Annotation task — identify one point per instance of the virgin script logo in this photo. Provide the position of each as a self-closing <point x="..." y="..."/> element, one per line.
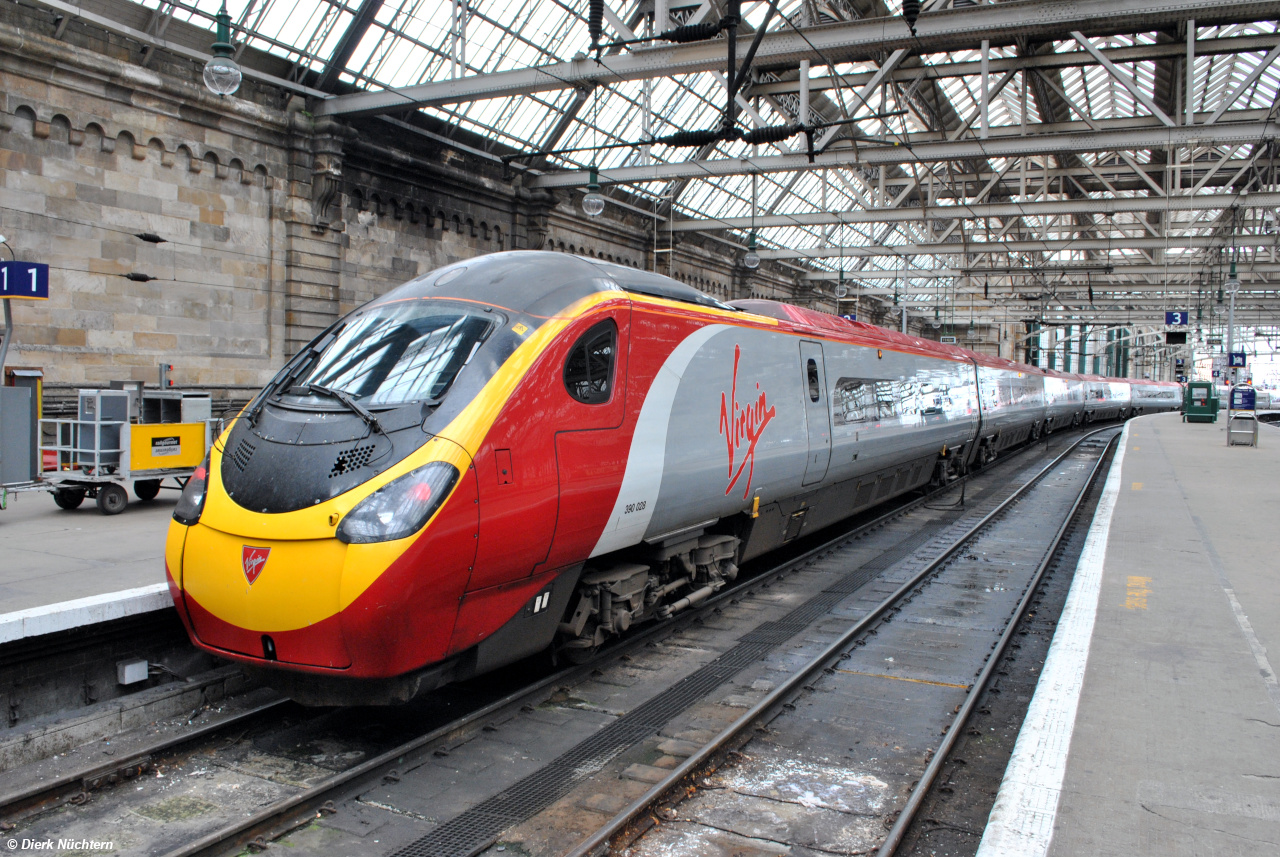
<point x="254" y="560"/>
<point x="742" y="427"/>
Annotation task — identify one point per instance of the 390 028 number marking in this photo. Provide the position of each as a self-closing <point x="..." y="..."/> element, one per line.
<point x="634" y="507"/>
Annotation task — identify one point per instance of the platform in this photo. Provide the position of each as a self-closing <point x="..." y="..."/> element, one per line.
<point x="1155" y="727"/>
<point x="60" y="569"/>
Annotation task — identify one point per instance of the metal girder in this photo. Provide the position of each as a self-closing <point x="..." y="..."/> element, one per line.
<point x="348" y="43"/>
<point x="950" y="29"/>
<point x="1252" y="271"/>
<point x="1118" y="242"/>
<point x="1122" y="78"/>
<point x="1249" y="81"/>
<point x="1066" y="59"/>
<point x="1046" y="208"/>
<point x="1008" y="144"/>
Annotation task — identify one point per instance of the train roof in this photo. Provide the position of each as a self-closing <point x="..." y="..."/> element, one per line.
<point x="541" y="284"/>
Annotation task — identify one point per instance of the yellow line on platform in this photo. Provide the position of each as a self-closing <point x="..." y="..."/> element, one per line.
<point x="904" y="678"/>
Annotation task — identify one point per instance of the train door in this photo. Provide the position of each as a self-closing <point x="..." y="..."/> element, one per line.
<point x="816" y="411"/>
<point x="591" y="445"/>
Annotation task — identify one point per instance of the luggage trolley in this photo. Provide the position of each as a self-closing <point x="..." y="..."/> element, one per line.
<point x="123" y="436"/>
<point x="1242" y="416"/>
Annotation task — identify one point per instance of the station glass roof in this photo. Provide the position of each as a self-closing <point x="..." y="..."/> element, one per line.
<point x="415" y="41"/>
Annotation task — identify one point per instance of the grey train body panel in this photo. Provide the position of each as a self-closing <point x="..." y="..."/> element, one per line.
<point x="755" y="427"/>
<point x="1151" y="398"/>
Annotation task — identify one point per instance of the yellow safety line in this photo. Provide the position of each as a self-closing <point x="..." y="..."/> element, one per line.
<point x="904" y="678"/>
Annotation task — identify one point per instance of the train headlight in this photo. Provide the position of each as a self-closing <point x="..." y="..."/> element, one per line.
<point x="399" y="508"/>
<point x="191" y="503"/>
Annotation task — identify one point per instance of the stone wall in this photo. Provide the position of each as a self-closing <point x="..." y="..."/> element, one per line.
<point x="220" y="235"/>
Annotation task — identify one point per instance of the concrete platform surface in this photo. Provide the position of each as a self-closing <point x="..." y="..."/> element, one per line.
<point x="1155" y="728"/>
<point x="49" y="555"/>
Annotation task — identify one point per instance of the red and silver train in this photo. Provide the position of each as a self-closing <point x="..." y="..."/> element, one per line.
<point x="528" y="450"/>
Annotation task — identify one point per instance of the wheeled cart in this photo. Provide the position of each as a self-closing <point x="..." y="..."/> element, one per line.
<point x="99" y="454"/>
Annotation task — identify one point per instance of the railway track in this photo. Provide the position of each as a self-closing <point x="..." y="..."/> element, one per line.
<point x="322" y="796"/>
<point x="661" y="800"/>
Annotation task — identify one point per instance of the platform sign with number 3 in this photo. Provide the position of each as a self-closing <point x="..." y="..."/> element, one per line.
<point x="26" y="280"/>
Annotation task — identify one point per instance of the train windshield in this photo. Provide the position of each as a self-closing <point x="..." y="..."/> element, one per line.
<point x="399" y="353"/>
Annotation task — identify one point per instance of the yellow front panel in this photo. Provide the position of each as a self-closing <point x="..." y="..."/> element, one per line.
<point x="153" y="446"/>
<point x="319" y="521"/>
<point x="173" y="542"/>
<point x="298" y="585"/>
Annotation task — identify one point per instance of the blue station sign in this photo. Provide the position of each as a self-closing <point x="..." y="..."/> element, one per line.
<point x="29" y="280"/>
<point x="1236" y="360"/>
<point x="1177" y="316"/>
<point x="1243" y="399"/>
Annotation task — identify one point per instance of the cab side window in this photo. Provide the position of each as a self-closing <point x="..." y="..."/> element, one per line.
<point x="588" y="371"/>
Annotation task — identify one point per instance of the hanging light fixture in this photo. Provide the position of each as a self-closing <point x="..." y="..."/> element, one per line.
<point x="593" y="202"/>
<point x="752" y="257"/>
<point x="910" y="13"/>
<point x="222" y="74"/>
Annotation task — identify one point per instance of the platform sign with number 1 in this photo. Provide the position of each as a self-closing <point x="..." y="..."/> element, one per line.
<point x="26" y="280"/>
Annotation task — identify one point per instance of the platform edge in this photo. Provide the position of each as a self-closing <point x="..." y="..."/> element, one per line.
<point x="64" y="615"/>
<point x="1022" y="819"/>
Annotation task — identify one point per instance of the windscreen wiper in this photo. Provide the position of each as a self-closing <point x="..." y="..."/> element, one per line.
<point x="352" y="405"/>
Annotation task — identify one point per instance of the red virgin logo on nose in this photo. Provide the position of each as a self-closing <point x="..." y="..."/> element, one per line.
<point x="742" y="427"/>
<point x="254" y="560"/>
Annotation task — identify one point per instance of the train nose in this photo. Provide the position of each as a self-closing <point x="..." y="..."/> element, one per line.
<point x="271" y="599"/>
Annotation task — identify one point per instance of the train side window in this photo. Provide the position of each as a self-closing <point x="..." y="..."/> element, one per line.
<point x="588" y="372"/>
<point x="815" y="388"/>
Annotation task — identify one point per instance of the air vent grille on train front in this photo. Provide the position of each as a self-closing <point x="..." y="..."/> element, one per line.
<point x="351" y="459"/>
<point x="243" y="452"/>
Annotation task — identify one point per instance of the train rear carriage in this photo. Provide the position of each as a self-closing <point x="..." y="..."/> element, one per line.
<point x="1064" y="395"/>
<point x="1153" y="397"/>
<point x="1012" y="397"/>
<point x="1106" y="398"/>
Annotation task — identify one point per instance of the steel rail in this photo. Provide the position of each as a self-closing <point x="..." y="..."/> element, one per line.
<point x="279" y="819"/>
<point x="831" y="654"/>
<point x="92" y="776"/>
<point x="908" y="812"/>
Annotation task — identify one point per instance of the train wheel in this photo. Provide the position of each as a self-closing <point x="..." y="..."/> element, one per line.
<point x="146" y="489"/>
<point x="577" y="655"/>
<point x="68" y="498"/>
<point x="112" y="499"/>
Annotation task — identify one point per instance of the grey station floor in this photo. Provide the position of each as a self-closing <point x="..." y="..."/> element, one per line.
<point x="1155" y="728"/>
<point x="61" y="569"/>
